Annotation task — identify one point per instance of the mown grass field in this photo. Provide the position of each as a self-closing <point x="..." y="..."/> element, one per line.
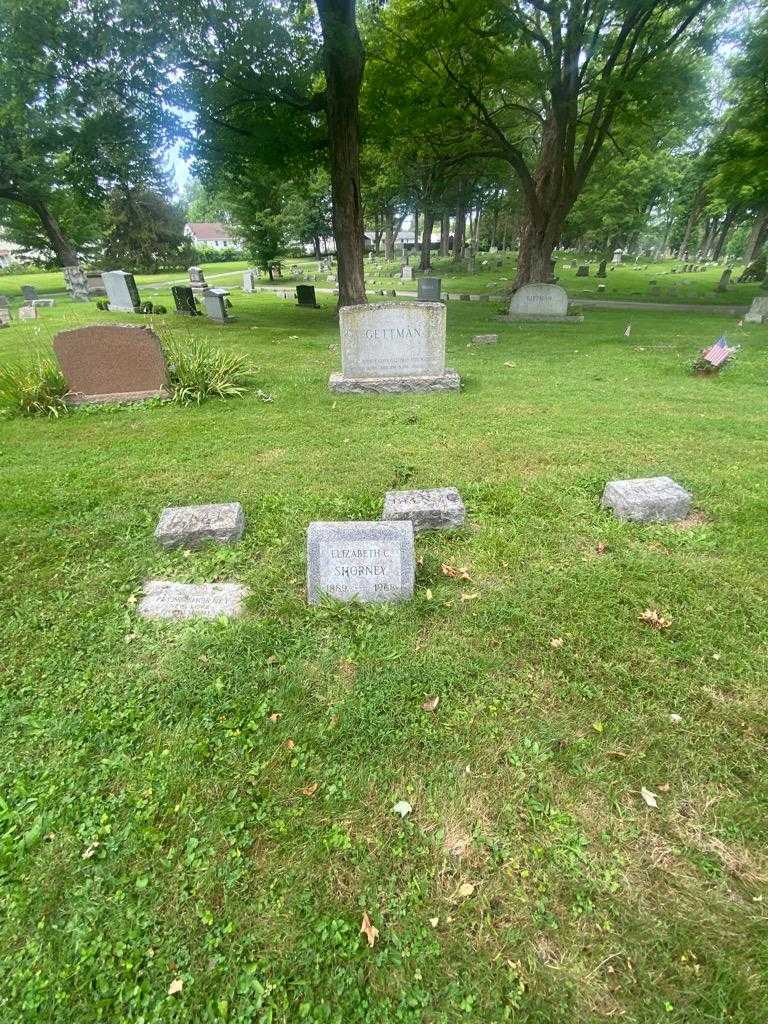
<point x="158" y="813"/>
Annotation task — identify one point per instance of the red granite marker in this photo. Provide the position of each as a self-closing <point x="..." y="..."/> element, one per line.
<point x="111" y="363"/>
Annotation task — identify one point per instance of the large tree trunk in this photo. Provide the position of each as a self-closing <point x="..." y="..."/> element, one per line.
<point x="415" y="227"/>
<point x="392" y="226"/>
<point x="537" y="242"/>
<point x="60" y="244"/>
<point x="316" y="244"/>
<point x="719" y="243"/>
<point x="693" y="217"/>
<point x="445" y="234"/>
<point x="757" y="236"/>
<point x="709" y="236"/>
<point x="426" y="241"/>
<point x="458" y="234"/>
<point x="343" y="60"/>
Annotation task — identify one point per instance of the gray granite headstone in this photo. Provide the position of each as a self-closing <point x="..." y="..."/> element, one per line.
<point x="197" y="279"/>
<point x="215" y="306"/>
<point x="122" y="293"/>
<point x="164" y="599"/>
<point x="541" y="302"/>
<point x="29" y="292"/>
<point x="725" y="280"/>
<point x="249" y="281"/>
<point x="367" y="562"/>
<point x="27" y="313"/>
<point x="440" y="508"/>
<point x="485" y="339"/>
<point x="3" y="302"/>
<point x="758" y="311"/>
<point x="406" y="273"/>
<point x="655" y="499"/>
<point x="428" y="289"/>
<point x="5" y="317"/>
<point x="43" y="303"/>
<point x="189" y="526"/>
<point x="393" y="347"/>
<point x="184" y="299"/>
<point x="76" y="281"/>
<point x="95" y="284"/>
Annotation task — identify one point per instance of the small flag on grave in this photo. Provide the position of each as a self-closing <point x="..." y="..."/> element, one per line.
<point x="628" y="331"/>
<point x="718" y="353"/>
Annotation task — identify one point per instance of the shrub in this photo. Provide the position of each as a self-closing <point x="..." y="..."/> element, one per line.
<point x="198" y="371"/>
<point x="36" y="390"/>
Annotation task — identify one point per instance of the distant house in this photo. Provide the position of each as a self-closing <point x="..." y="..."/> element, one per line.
<point x="214" y="235"/>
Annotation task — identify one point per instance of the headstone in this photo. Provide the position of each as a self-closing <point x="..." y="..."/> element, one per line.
<point x="27" y="313"/>
<point x="305" y="295"/>
<point x="5" y="317"/>
<point x="438" y="509"/>
<point x="601" y="270"/>
<point x="485" y="339"/>
<point x="197" y="279"/>
<point x="3" y="302"/>
<point x="406" y="273"/>
<point x="76" y="281"/>
<point x="656" y="499"/>
<point x="215" y="306"/>
<point x="249" y="281"/>
<point x="758" y="311"/>
<point x="122" y="293"/>
<point x="367" y="562"/>
<point x="43" y="303"/>
<point x="583" y="270"/>
<point x="29" y="292"/>
<point x="111" y="363"/>
<point x="541" y="302"/>
<point x="95" y="284"/>
<point x="392" y="348"/>
<point x="189" y="526"/>
<point x="164" y="599"/>
<point x="428" y="289"/>
<point x="617" y="254"/>
<point x="184" y="299"/>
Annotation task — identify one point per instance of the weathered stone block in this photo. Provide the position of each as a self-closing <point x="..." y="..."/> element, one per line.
<point x="189" y="526"/>
<point x="656" y="499"/>
<point x="485" y="339"/>
<point x="440" y="508"/>
<point x="164" y="599"/>
<point x="449" y="380"/>
<point x="368" y="562"/>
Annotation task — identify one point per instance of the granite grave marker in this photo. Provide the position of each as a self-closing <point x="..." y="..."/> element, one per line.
<point x="363" y="561"/>
<point x="189" y="526"/>
<point x="111" y="363"/>
<point x="122" y="293"/>
<point x="656" y="499"/>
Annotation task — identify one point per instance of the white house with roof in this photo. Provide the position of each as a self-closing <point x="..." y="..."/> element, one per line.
<point x="211" y="234"/>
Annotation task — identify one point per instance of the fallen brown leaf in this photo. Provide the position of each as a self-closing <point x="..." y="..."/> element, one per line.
<point x="664" y="787"/>
<point x="289" y="744"/>
<point x="600" y="548"/>
<point x="175" y="987"/>
<point x="311" y="789"/>
<point x="556" y="642"/>
<point x="455" y="573"/>
<point x="275" y="716"/>
<point x="654" y="619"/>
<point x="368" y="929"/>
<point x="465" y="890"/>
<point x="431" y="704"/>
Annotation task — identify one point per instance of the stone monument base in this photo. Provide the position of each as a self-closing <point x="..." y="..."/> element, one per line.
<point x="449" y="380"/>
<point x="122" y="396"/>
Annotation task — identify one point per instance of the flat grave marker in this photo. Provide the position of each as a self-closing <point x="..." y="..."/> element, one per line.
<point x="189" y="526"/>
<point x="655" y="499"/>
<point x="440" y="508"/>
<point x="164" y="599"/>
<point x="363" y="561"/>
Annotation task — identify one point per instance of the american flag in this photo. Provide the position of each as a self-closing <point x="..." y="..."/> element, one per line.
<point x="717" y="354"/>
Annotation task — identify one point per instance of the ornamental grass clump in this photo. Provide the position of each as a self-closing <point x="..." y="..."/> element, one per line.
<point x="36" y="390"/>
<point x="198" y="371"/>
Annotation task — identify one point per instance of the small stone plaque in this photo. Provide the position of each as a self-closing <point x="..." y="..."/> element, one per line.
<point x="656" y="499"/>
<point x="164" y="599"/>
<point x="438" y="509"/>
<point x="189" y="526"/>
<point x="43" y="303"/>
<point x="111" y="363"/>
<point x="485" y="339"/>
<point x="27" y="313"/>
<point x="428" y="289"/>
<point x="368" y="562"/>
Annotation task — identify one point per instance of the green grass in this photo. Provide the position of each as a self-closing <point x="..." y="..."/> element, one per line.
<point x="156" y="740"/>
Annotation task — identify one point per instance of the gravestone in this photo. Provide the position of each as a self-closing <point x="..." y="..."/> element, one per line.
<point x="601" y="270"/>
<point x="428" y="289"/>
<point x="406" y="273"/>
<point x="438" y="509"/>
<point x="485" y="339"/>
<point x="393" y="348"/>
<point x="3" y="302"/>
<point x="189" y="526"/>
<point x="725" y="280"/>
<point x="76" y="281"/>
<point x="249" y="281"/>
<point x="29" y="292"/>
<point x="28" y="313"/>
<point x="43" y="303"/>
<point x="164" y="599"/>
<point x="548" y="302"/>
<point x="215" y="306"/>
<point x="122" y="293"/>
<point x="656" y="499"/>
<point x="5" y="317"/>
<point x="367" y="562"/>
<point x="111" y="363"/>
<point x="758" y="311"/>
<point x="184" y="300"/>
<point x="95" y="284"/>
<point x="617" y="254"/>
<point x="197" y="280"/>
<point x="305" y="295"/>
<point x="583" y="270"/>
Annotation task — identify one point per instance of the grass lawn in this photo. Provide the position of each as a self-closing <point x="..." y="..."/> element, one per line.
<point x="52" y="282"/>
<point x="158" y="809"/>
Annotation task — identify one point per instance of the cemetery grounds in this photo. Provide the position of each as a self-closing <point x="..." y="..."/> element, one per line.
<point x="206" y="808"/>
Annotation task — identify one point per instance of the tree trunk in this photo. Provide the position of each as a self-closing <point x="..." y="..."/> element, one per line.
<point x="690" y="224"/>
<point x="426" y="241"/>
<point x="445" y="234"/>
<point x="494" y="227"/>
<point x="719" y="244"/>
<point x="392" y="226"/>
<point x="537" y="242"/>
<point x="316" y="244"/>
<point x="415" y="227"/>
<point x="60" y="244"/>
<point x="757" y="236"/>
<point x="709" y="235"/>
<point x="343" y="60"/>
<point x="458" y="234"/>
